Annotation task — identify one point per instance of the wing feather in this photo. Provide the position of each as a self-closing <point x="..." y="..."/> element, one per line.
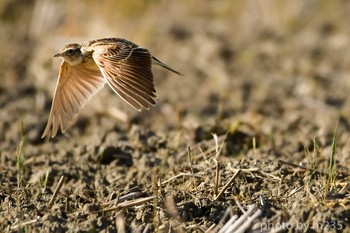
<point x="134" y="88"/>
<point x="125" y="96"/>
<point x="127" y="69"/>
<point x="140" y="98"/>
<point x="69" y="99"/>
<point x="75" y="86"/>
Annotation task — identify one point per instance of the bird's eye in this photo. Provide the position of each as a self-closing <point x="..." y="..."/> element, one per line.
<point x="70" y="51"/>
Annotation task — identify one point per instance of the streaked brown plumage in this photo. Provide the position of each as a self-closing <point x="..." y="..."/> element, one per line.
<point x="123" y="65"/>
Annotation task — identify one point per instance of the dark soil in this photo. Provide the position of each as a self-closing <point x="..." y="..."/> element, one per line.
<point x="262" y="110"/>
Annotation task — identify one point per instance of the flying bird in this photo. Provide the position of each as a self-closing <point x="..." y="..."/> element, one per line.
<point x="122" y="64"/>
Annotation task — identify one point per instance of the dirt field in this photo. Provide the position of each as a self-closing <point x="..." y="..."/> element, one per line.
<point x="254" y="138"/>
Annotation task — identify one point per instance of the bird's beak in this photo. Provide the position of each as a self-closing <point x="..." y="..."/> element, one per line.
<point x="57" y="55"/>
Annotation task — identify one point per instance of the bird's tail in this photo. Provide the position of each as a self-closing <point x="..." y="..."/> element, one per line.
<point x="156" y="61"/>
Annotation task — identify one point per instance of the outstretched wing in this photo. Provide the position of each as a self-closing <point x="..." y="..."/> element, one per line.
<point x="127" y="69"/>
<point x="75" y="86"/>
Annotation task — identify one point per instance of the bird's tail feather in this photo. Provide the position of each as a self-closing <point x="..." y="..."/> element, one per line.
<point x="156" y="61"/>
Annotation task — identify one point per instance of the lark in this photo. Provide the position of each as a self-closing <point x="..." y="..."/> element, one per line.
<point x="123" y="65"/>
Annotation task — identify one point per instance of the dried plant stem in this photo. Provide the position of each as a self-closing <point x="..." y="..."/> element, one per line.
<point x="14" y="227"/>
<point x="126" y="197"/>
<point x="128" y="204"/>
<point x="59" y="186"/>
<point x="180" y="175"/>
<point x="217" y="178"/>
<point x="227" y="185"/>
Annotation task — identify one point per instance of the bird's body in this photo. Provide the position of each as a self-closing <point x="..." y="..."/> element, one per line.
<point x="123" y="65"/>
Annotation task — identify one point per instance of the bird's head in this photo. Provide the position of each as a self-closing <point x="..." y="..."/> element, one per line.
<point x="71" y="53"/>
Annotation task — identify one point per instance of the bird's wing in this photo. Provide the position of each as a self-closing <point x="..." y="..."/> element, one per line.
<point x="75" y="86"/>
<point x="127" y="69"/>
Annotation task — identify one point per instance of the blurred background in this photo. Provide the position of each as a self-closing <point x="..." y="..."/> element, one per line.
<point x="281" y="66"/>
